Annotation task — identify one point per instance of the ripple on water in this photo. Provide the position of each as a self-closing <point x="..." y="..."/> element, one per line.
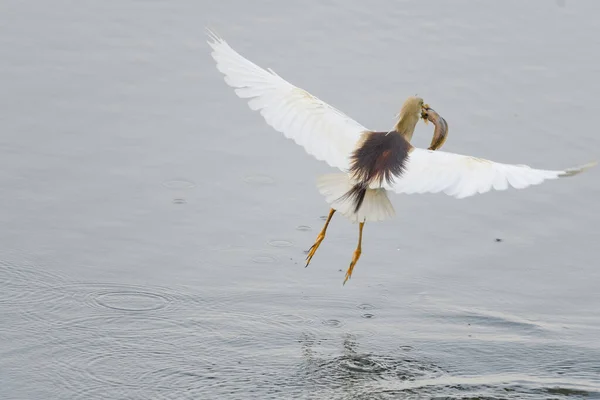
<point x="131" y="350"/>
<point x="24" y="285"/>
<point x="365" y="306"/>
<point x="97" y="391"/>
<point x="132" y="301"/>
<point x="280" y="243"/>
<point x="492" y="322"/>
<point x="117" y="326"/>
<point x="480" y="387"/>
<point x="358" y="368"/>
<point x="264" y="259"/>
<point x="304" y="228"/>
<point x="334" y="323"/>
<point x="292" y="319"/>
<point x="135" y="365"/>
<point x="119" y="297"/>
<point x="69" y="301"/>
<point x="179" y="184"/>
<point x="190" y="377"/>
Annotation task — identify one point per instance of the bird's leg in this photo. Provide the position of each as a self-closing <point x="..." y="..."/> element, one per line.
<point x="320" y="238"/>
<point x="356" y="254"/>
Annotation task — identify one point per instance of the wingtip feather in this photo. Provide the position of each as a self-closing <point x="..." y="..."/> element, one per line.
<point x="213" y="35"/>
<point x="577" y="170"/>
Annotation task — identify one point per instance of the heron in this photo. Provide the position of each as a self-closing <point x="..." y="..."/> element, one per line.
<point x="372" y="163"/>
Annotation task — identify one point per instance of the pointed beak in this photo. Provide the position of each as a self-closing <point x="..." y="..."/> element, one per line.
<point x="424" y="109"/>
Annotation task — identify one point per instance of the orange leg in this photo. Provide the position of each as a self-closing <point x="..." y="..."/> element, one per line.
<point x="356" y="254"/>
<point x="320" y="238"/>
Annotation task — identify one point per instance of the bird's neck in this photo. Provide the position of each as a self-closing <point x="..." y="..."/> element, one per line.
<point x="406" y="126"/>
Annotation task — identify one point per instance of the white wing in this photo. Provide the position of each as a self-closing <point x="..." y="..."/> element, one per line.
<point x="428" y="171"/>
<point x="324" y="132"/>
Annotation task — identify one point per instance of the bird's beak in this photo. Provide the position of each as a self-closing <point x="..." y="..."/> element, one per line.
<point x="424" y="109"/>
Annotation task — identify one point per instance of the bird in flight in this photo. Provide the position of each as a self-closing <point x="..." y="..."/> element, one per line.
<point x="372" y="163"/>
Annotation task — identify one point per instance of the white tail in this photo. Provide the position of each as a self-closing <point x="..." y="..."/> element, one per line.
<point x="376" y="205"/>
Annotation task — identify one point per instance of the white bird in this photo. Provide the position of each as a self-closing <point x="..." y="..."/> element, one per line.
<point x="373" y="163"/>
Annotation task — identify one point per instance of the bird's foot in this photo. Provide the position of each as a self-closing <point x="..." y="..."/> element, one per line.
<point x="355" y="258"/>
<point x="314" y="248"/>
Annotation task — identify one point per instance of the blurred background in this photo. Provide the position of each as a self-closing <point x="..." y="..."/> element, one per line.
<point x="154" y="228"/>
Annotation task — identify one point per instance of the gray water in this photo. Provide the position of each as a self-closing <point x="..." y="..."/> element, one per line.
<point x="153" y="228"/>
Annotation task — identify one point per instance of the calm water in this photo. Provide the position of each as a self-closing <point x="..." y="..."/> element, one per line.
<point x="154" y="228"/>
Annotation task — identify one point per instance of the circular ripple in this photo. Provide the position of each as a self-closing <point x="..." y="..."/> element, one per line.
<point x="179" y="184"/>
<point x="120" y="297"/>
<point x="291" y="319"/>
<point x="264" y="259"/>
<point x="130" y="363"/>
<point x="368" y="315"/>
<point x="259" y="179"/>
<point x="366" y="306"/>
<point x="304" y="228"/>
<point x="179" y="201"/>
<point x="280" y="243"/>
<point x="75" y="299"/>
<point x="132" y="301"/>
<point x="333" y="323"/>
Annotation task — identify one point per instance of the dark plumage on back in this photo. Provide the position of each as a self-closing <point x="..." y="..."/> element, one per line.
<point x="381" y="156"/>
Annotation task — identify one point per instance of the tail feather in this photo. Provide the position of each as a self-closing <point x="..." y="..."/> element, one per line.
<point x="356" y="196"/>
<point x="354" y="201"/>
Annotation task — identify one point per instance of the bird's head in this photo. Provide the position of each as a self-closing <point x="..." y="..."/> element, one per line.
<point x="412" y="107"/>
<point x="409" y="115"/>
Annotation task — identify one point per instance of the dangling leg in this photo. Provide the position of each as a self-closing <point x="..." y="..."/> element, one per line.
<point x="320" y="238"/>
<point x="356" y="254"/>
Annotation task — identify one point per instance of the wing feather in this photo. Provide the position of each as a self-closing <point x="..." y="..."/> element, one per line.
<point x="325" y="132"/>
<point x="428" y="171"/>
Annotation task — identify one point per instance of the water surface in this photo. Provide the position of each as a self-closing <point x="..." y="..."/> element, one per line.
<point x="154" y="228"/>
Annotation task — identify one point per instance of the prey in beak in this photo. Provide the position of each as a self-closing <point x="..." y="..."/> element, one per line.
<point x="440" y="133"/>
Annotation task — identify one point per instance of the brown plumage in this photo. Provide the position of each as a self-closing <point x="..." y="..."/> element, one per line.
<point x="380" y="156"/>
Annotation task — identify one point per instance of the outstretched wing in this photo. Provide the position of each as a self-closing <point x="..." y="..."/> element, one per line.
<point x="428" y="171"/>
<point x="324" y="132"/>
